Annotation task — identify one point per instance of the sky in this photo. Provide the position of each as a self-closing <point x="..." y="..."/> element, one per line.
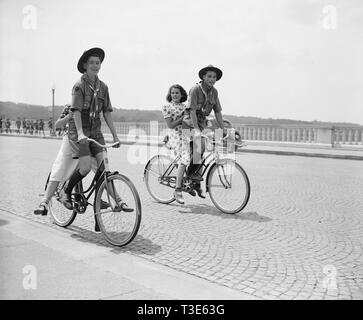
<point x="296" y="59"/>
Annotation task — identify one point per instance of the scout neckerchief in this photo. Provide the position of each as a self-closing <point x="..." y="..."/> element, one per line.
<point x="94" y="100"/>
<point x="204" y="106"/>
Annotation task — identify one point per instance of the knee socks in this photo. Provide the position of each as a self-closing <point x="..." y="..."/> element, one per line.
<point x="75" y="178"/>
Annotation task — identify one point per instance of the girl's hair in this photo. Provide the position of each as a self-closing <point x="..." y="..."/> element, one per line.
<point x="184" y="95"/>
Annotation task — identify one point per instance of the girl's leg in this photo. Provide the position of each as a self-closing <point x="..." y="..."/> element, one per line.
<point x="180" y="175"/>
<point x="178" y="188"/>
<point x="43" y="207"/>
<point x="184" y="151"/>
<point x="51" y="188"/>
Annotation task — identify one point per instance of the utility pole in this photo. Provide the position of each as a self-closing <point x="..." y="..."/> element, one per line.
<point x="53" y="93"/>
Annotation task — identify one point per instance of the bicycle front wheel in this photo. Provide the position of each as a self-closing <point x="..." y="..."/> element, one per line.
<point x="228" y="186"/>
<point x="161" y="189"/>
<point x="119" y="227"/>
<point x="60" y="215"/>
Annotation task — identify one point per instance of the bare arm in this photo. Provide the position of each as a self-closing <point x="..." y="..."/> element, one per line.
<point x="173" y="123"/>
<point x="78" y="123"/>
<point x="219" y="119"/>
<point x="61" y="122"/>
<point x="193" y="116"/>
<point x="108" y="118"/>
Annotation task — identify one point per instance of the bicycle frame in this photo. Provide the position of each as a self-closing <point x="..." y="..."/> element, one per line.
<point x="210" y="158"/>
<point x="101" y="173"/>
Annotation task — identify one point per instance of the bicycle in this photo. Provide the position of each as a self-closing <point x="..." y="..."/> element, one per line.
<point x="227" y="195"/>
<point x="117" y="226"/>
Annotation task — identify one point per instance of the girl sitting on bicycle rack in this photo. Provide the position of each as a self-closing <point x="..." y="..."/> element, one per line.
<point x="64" y="164"/>
<point x="173" y="115"/>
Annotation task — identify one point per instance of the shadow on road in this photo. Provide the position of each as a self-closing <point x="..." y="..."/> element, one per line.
<point x="211" y="210"/>
<point x="3" y="222"/>
<point x="138" y="246"/>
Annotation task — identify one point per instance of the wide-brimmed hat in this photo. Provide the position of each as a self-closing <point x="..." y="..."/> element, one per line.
<point x="83" y="59"/>
<point x="203" y="71"/>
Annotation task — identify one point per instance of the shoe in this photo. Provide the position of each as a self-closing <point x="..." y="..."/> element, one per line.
<point x="122" y="206"/>
<point x="66" y="200"/>
<point x="195" y="177"/>
<point x="178" y="197"/>
<point x="192" y="193"/>
<point x="104" y="205"/>
<point x="199" y="191"/>
<point x="42" y="209"/>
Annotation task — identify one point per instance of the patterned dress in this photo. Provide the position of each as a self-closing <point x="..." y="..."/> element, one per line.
<point x="177" y="142"/>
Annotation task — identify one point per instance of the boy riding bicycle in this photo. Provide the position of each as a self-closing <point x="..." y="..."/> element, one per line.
<point x="90" y="97"/>
<point x="203" y="98"/>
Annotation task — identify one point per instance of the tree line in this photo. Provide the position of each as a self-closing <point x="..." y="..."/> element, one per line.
<point x="13" y="110"/>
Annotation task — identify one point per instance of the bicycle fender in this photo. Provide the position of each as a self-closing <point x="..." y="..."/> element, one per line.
<point x="209" y="171"/>
<point x="147" y="164"/>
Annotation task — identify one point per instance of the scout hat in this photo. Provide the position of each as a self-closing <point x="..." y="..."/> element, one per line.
<point x="203" y="71"/>
<point x="83" y="59"/>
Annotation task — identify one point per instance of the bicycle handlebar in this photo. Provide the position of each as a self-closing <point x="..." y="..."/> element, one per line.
<point x="209" y="138"/>
<point x="238" y="143"/>
<point x="101" y="145"/>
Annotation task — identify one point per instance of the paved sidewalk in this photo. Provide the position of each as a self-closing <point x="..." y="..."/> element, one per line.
<point x="40" y="262"/>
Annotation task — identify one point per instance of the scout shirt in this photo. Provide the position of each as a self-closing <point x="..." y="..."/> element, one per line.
<point x="90" y="101"/>
<point x="203" y="101"/>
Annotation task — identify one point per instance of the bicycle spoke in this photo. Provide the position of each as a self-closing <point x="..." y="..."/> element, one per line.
<point x="160" y="189"/>
<point x="103" y="212"/>
<point x="228" y="187"/>
<point x="60" y="215"/>
<point x="118" y="226"/>
<point x="154" y="173"/>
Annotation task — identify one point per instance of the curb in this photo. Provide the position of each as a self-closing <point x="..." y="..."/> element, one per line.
<point x="303" y="154"/>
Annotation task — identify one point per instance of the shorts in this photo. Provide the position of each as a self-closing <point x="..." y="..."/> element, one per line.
<point x="89" y="148"/>
<point x="64" y="164"/>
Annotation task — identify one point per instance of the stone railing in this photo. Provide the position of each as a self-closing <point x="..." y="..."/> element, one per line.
<point x="346" y="135"/>
<point x="312" y="134"/>
<point x="308" y="134"/>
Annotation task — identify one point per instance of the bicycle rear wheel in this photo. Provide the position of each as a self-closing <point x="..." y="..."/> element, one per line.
<point x="118" y="227"/>
<point x="228" y="186"/>
<point x="60" y="215"/>
<point x="160" y="189"/>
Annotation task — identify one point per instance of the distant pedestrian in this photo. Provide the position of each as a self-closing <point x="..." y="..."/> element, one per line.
<point x="36" y="126"/>
<point x="24" y="126"/>
<point x="1" y="124"/>
<point x="50" y="126"/>
<point x="18" y="125"/>
<point x="31" y="127"/>
<point x="8" y="125"/>
<point x="41" y="126"/>
<point x="28" y="125"/>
